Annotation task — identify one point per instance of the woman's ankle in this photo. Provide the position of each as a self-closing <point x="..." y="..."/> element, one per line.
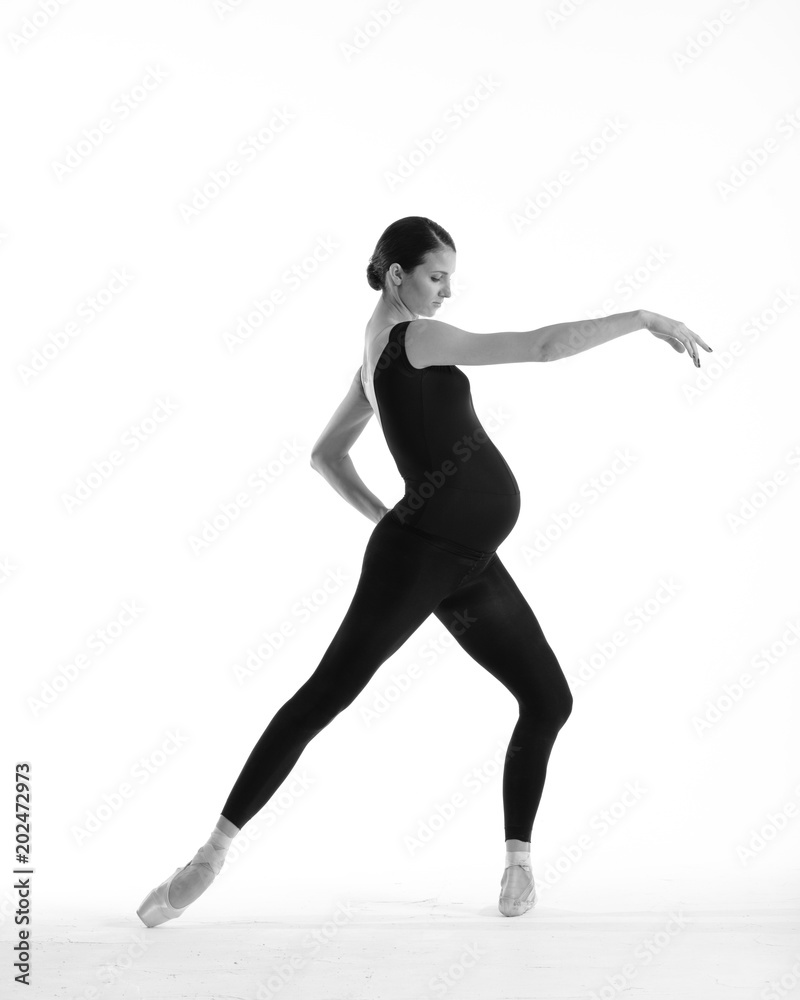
<point x="226" y="827"/>
<point x="518" y="845"/>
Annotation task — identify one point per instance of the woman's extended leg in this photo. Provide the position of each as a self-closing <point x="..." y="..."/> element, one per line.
<point x="403" y="579"/>
<point x="491" y="619"/>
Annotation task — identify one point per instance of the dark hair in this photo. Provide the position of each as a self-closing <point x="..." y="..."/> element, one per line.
<point x="406" y="242"/>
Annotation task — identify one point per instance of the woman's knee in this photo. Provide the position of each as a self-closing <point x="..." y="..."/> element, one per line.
<point x="564" y="708"/>
<point x="561" y="700"/>
<point x="549" y="707"/>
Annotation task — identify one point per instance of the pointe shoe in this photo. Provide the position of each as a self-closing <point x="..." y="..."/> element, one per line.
<point x="517" y="891"/>
<point x="156" y="908"/>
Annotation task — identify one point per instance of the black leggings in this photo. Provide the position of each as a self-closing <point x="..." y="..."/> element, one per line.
<point x="404" y="578"/>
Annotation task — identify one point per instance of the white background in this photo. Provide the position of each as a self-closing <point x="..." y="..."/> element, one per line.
<point x="651" y="206"/>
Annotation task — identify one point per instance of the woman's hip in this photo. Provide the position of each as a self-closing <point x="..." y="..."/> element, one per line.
<point x="464" y="521"/>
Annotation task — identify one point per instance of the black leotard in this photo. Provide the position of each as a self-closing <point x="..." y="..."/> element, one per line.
<point x="459" y="490"/>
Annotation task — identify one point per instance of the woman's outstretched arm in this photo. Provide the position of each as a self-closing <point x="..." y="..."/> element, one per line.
<point x="431" y="342"/>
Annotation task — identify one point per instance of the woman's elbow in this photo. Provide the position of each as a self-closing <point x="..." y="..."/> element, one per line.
<point x="322" y="458"/>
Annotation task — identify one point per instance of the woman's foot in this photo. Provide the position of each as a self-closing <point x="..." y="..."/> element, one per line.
<point x="175" y="893"/>
<point x="184" y="885"/>
<point x="193" y="879"/>
<point x="517" y="890"/>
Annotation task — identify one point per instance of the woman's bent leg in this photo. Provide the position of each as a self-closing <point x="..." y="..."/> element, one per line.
<point x="491" y="619"/>
<point x="403" y="578"/>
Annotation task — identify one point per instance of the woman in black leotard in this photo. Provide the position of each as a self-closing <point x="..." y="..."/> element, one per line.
<point x="434" y="551"/>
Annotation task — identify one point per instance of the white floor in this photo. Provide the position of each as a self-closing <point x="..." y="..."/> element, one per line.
<point x="400" y="938"/>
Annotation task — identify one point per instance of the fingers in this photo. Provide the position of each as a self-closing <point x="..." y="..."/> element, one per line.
<point x="695" y="341"/>
<point x="685" y="342"/>
<point x="692" y="340"/>
<point x="680" y="342"/>
<point x="691" y="347"/>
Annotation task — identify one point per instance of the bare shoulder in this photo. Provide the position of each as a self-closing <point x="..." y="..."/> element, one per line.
<point x="431" y="342"/>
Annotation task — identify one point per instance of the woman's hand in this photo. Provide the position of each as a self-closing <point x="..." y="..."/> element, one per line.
<point x="381" y="513"/>
<point x="676" y="334"/>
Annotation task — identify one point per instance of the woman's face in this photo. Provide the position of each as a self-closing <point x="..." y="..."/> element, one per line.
<point x="423" y="290"/>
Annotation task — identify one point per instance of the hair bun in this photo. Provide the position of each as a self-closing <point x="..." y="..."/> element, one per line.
<point x="373" y="277"/>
